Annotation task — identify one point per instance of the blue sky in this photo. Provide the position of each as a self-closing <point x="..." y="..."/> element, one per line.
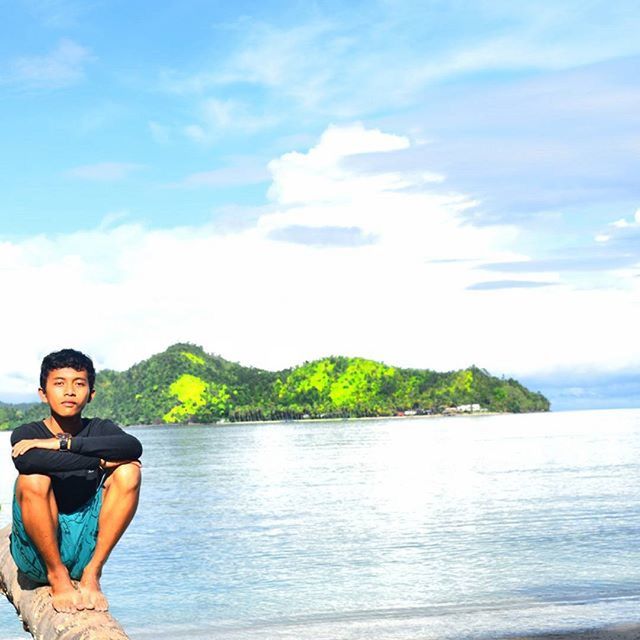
<point x="432" y="184"/>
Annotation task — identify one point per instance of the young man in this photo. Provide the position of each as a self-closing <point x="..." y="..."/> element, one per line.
<point x="77" y="488"/>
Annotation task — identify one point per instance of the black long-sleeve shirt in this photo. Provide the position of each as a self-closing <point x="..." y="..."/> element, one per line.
<point x="75" y="473"/>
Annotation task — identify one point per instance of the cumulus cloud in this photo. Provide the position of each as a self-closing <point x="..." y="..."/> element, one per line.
<point x="321" y="175"/>
<point x="323" y="236"/>
<point x="262" y="296"/>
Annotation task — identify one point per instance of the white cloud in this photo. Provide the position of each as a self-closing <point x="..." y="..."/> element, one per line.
<point x="267" y="56"/>
<point x="319" y="175"/>
<point x="216" y="117"/>
<point x="61" y="67"/>
<point x="623" y="223"/>
<point x="623" y="233"/>
<point x="124" y="292"/>
<point x="390" y="56"/>
<point x="104" y="171"/>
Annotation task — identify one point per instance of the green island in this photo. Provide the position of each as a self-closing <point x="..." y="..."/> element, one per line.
<point x="186" y="385"/>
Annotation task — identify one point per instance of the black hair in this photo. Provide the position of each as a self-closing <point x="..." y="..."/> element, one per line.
<point x="67" y="358"/>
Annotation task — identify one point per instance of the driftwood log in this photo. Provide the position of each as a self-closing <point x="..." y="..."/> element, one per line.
<point x="39" y="618"/>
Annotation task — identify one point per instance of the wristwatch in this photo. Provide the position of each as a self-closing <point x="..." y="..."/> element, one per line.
<point x="65" y="440"/>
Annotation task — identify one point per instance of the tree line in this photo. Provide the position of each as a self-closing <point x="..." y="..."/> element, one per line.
<point x="185" y="384"/>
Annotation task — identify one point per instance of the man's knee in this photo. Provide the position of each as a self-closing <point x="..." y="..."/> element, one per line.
<point x="32" y="485"/>
<point x="127" y="477"/>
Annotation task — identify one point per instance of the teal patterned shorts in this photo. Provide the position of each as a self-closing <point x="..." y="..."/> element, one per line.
<point x="77" y="533"/>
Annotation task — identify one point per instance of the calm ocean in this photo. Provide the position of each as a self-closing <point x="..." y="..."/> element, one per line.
<point x="390" y="529"/>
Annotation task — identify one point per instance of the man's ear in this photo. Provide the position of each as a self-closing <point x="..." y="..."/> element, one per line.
<point x="93" y="393"/>
<point x="43" y="396"/>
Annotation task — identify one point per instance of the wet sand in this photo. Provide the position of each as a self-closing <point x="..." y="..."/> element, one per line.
<point x="617" y="632"/>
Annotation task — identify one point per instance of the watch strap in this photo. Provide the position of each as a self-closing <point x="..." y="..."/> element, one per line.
<point x="65" y="440"/>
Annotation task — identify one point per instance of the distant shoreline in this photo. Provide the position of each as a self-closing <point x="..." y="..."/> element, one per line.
<point x="229" y="423"/>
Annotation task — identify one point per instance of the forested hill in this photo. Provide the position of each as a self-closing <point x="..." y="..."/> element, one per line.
<point x="185" y="384"/>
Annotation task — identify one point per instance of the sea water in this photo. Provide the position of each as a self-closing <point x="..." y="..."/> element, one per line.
<point x="403" y="528"/>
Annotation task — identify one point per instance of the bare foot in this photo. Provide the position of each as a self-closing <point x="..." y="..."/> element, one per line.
<point x="64" y="597"/>
<point x="92" y="596"/>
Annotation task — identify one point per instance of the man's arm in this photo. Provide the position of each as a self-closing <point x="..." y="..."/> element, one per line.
<point x="43" y="455"/>
<point x="111" y="443"/>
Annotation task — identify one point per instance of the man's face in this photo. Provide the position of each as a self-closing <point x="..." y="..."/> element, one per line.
<point x="66" y="392"/>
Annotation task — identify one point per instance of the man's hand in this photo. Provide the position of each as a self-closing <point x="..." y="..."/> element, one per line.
<point x="112" y="464"/>
<point x="38" y="443"/>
